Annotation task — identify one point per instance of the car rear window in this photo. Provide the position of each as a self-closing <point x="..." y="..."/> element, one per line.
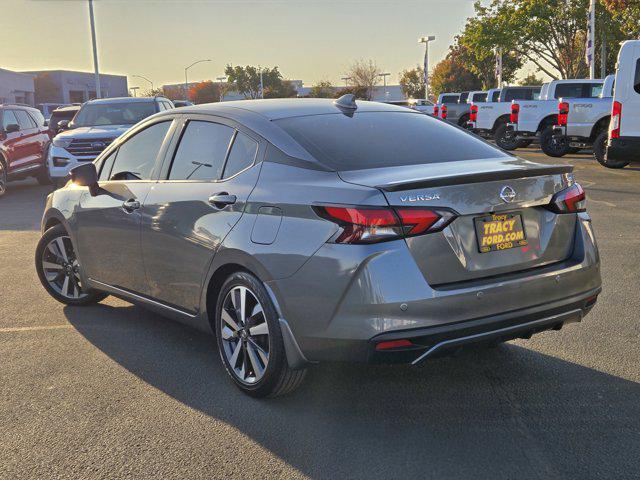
<point x="479" y="97"/>
<point x="384" y="139"/>
<point x="450" y="99"/>
<point x="522" y="94"/>
<point x="495" y="96"/>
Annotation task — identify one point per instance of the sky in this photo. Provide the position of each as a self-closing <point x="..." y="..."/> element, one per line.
<point x="309" y="40"/>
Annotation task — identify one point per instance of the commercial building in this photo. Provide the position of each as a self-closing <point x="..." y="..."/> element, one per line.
<point x="16" y="87"/>
<point x="64" y="86"/>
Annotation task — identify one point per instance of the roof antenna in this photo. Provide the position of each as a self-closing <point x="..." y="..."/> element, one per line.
<point x="346" y="102"/>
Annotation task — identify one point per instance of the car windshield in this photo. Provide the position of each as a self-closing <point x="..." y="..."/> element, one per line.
<point x="113" y="113"/>
<point x="377" y="139"/>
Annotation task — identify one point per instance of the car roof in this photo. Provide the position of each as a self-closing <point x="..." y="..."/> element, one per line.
<point x="279" y="108"/>
<point x="121" y="100"/>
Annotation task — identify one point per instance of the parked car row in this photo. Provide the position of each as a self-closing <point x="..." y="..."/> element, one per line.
<point x="565" y="116"/>
<point x="31" y="146"/>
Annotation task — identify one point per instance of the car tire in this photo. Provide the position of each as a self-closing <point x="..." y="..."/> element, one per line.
<point x="553" y="147"/>
<point x="250" y="341"/>
<point x="600" y="152"/>
<point x="58" y="269"/>
<point x="505" y="139"/>
<point x="3" y="177"/>
<point x="462" y="121"/>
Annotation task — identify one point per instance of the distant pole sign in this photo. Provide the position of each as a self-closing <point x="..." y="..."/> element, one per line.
<point x="591" y="36"/>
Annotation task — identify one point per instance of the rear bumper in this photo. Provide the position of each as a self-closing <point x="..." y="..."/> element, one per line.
<point x="624" y="148"/>
<point x="433" y="342"/>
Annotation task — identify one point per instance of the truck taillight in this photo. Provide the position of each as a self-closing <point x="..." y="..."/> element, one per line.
<point x="473" y="114"/>
<point x="515" y="111"/>
<point x="563" y="113"/>
<point x="616" y="117"/>
<point x="443" y="112"/>
<point x="379" y="224"/>
<point x="569" y="200"/>
<point x="435" y="110"/>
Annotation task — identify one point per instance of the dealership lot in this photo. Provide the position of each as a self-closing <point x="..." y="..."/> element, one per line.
<point x="114" y="391"/>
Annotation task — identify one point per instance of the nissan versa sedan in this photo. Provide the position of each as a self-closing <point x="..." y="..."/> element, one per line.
<point x="308" y="230"/>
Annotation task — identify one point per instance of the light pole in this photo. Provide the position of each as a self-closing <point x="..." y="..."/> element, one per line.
<point x="95" y="50"/>
<point x="220" y="80"/>
<point x="426" y="41"/>
<point x="261" y="83"/>
<point x="346" y="80"/>
<point x="133" y="89"/>
<point x="186" y="82"/>
<point x="384" y="79"/>
<point x="144" y="78"/>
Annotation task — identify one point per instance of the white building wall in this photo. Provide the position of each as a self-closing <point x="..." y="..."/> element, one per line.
<point x="16" y="87"/>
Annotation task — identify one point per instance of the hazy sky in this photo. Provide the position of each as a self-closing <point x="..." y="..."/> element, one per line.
<point x="309" y="40"/>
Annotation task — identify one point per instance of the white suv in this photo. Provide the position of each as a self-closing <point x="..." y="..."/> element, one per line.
<point x="94" y="127"/>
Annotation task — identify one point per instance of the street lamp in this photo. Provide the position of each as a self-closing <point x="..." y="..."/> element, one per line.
<point x="133" y="89"/>
<point x="220" y="80"/>
<point x="384" y="79"/>
<point x="95" y="51"/>
<point x="346" y="80"/>
<point x="144" y="78"/>
<point x="186" y="82"/>
<point x="426" y="41"/>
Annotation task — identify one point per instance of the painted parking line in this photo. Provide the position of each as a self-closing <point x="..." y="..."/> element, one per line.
<point x="34" y="329"/>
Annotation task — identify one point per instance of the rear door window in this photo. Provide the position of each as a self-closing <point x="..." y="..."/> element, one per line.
<point x="201" y="152"/>
<point x="463" y="97"/>
<point x="495" y="96"/>
<point x="383" y="139"/>
<point x="137" y="156"/>
<point x="636" y="80"/>
<point x="8" y="118"/>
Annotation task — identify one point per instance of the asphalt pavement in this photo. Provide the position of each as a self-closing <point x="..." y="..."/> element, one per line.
<point x="113" y="391"/>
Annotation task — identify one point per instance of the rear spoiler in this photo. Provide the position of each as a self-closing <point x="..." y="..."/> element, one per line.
<point x="476" y="177"/>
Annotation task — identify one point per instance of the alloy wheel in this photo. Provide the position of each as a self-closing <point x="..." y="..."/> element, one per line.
<point x="3" y="179"/>
<point x="61" y="268"/>
<point x="244" y="334"/>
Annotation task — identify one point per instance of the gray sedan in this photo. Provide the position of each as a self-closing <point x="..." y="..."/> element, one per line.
<point x="307" y="230"/>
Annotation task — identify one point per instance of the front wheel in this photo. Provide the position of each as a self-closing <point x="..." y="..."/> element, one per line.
<point x="3" y="178"/>
<point x="250" y="340"/>
<point x="59" y="270"/>
<point x="506" y="138"/>
<point x="553" y="145"/>
<point x="600" y="153"/>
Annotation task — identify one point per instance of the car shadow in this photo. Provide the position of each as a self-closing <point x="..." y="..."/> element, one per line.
<point x="508" y="412"/>
<point x="22" y="205"/>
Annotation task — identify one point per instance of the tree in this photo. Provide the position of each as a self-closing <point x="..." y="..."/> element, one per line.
<point x="204" y="92"/>
<point x="361" y="93"/>
<point x="364" y="75"/>
<point x="322" y="89"/>
<point x="453" y="75"/>
<point x="246" y="80"/>
<point x="627" y="14"/>
<point x="412" y="82"/>
<point x="156" y="92"/>
<point x="174" y="92"/>
<point x="282" y="89"/>
<point x="531" y="79"/>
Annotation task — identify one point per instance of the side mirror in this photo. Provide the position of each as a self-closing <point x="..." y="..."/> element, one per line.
<point x="12" y="127"/>
<point x="86" y="176"/>
<point x="63" y="125"/>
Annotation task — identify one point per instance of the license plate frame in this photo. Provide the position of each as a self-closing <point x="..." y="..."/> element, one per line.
<point x="508" y="231"/>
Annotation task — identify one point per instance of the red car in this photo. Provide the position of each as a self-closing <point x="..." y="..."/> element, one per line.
<point x="23" y="141"/>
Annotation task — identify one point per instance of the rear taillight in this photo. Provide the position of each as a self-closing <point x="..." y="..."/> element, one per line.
<point x="435" y="110"/>
<point x="563" y="113"/>
<point x="616" y="118"/>
<point x="473" y="114"/>
<point x="569" y="200"/>
<point x="443" y="112"/>
<point x="379" y="224"/>
<point x="515" y="111"/>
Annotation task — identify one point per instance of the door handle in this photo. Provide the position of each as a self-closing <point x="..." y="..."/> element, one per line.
<point x="221" y="200"/>
<point x="131" y="205"/>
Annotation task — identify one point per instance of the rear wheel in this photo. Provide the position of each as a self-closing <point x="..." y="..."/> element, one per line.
<point x="553" y="145"/>
<point x="3" y="177"/>
<point x="600" y="152"/>
<point x="250" y="340"/>
<point x="506" y="138"/>
<point x="59" y="270"/>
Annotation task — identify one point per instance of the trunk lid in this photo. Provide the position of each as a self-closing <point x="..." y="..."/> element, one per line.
<point x="472" y="189"/>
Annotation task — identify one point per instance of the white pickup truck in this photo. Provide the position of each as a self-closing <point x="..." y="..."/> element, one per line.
<point x="582" y="123"/>
<point x="529" y="118"/>
<point x="490" y="119"/>
<point x="447" y="99"/>
<point x="623" y="144"/>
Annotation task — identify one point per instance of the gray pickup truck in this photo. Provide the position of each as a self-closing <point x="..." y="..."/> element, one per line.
<point x="458" y="113"/>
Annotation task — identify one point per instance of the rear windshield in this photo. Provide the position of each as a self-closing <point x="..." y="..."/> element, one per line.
<point x="521" y="94"/>
<point x="479" y="97"/>
<point x="384" y="139"/>
<point x="495" y="96"/>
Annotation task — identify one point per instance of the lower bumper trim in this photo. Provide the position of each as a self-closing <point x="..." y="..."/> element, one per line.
<point x="536" y="325"/>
